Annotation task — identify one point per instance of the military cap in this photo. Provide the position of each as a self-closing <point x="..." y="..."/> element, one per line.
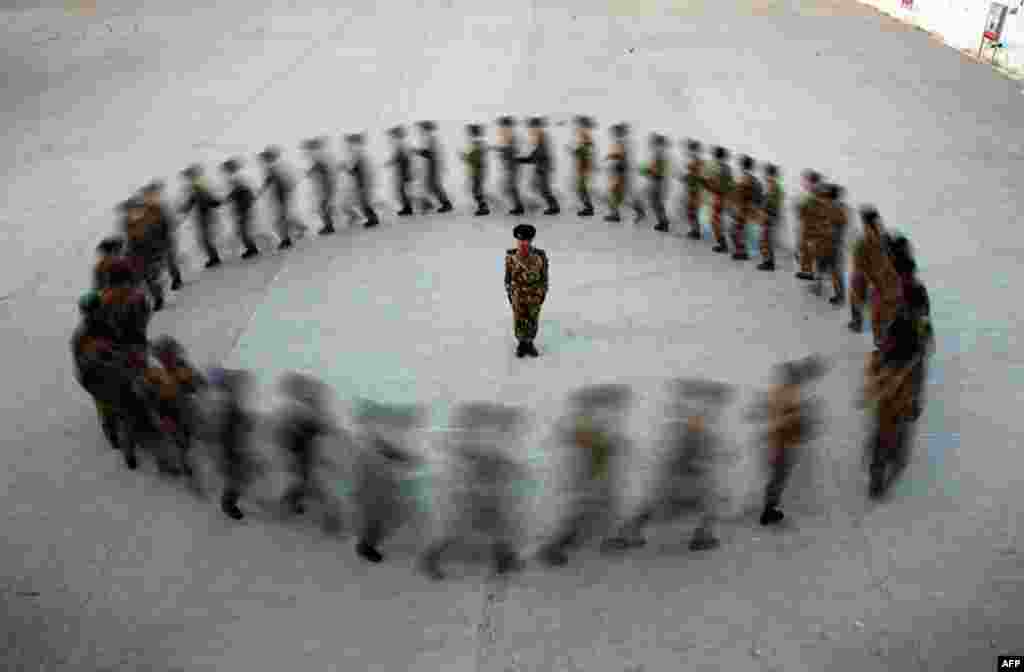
<point x="193" y="171"/>
<point x="771" y="170"/>
<point x="270" y="154"/>
<point x="803" y="371"/>
<point x="901" y="252"/>
<point x="132" y="203"/>
<point x="822" y="189"/>
<point x="537" y="122"/>
<point x="397" y="132"/>
<point x="110" y="245"/>
<point x="506" y="122"/>
<point x="394" y="416"/>
<point x="832" y="191"/>
<point x="153" y="187"/>
<point x="475" y="130"/>
<point x="840" y="192"/>
<point x="720" y="153"/>
<point x="812" y="176"/>
<point x="707" y="391"/>
<point x="122" y="272"/>
<point x="313" y="144"/>
<point x="584" y="122"/>
<point x="658" y="140"/>
<point x="89" y="302"/>
<point x="601" y="396"/>
<point x="620" y="130"/>
<point x="693" y="146"/>
<point x="524" y="232"/>
<point x="869" y="215"/>
<point x="231" y="166"/>
<point x="746" y="162"/>
<point x="429" y="126"/>
<point x="355" y="138"/>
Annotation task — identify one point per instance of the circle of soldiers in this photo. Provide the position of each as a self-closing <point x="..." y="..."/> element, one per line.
<point x="151" y="399"/>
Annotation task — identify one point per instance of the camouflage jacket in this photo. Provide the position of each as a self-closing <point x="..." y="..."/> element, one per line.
<point x="816" y="218"/>
<point x="474" y="159"/>
<point x="92" y="343"/>
<point x="790" y="420"/>
<point x="773" y="198"/>
<point x="719" y="180"/>
<point x="748" y="196"/>
<point x="694" y="177"/>
<point x="584" y="155"/>
<point x="126" y="311"/>
<point x="872" y="261"/>
<point x="526" y="278"/>
<point x="150" y="237"/>
<point x="658" y="168"/>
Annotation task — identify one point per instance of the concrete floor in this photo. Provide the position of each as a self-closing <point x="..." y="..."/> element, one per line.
<point x="105" y="569"/>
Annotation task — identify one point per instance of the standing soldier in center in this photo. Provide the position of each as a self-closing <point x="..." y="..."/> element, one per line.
<point x="508" y="146"/>
<point x="583" y="153"/>
<point x="281" y="188"/>
<point x="359" y="169"/>
<point x="403" y="170"/>
<point x="540" y="157"/>
<point x="526" y="284"/>
<point x="431" y="153"/>
<point x="694" y="181"/>
<point x="620" y="187"/>
<point x="153" y="194"/>
<point x="772" y="209"/>
<point x="657" y="171"/>
<point x="749" y="195"/>
<point x="476" y="164"/>
<point x="205" y="205"/>
<point x="839" y="225"/>
<point x="720" y="184"/>
<point x="811" y="181"/>
<point x="324" y="178"/>
<point x="242" y="199"/>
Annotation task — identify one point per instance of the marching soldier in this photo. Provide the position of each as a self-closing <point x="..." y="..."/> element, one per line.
<point x="620" y="187"/>
<point x="918" y="307"/>
<point x="236" y="464"/>
<point x="324" y="177"/>
<point x="302" y="425"/>
<point x="526" y="284"/>
<point x="281" y="187"/>
<point x="146" y="245"/>
<point x="720" y="184"/>
<point x="834" y="260"/>
<point x="153" y="195"/>
<point x="431" y="153"/>
<point x="791" y="421"/>
<point x="873" y="267"/>
<point x="593" y="432"/>
<point x="202" y="200"/>
<point x="242" y="199"/>
<point x="182" y="407"/>
<point x="508" y="147"/>
<point x="482" y="501"/>
<point x="686" y="477"/>
<point x="816" y="221"/>
<point x="811" y="181"/>
<point x="657" y="171"/>
<point x="748" y="196"/>
<point x="541" y="160"/>
<point x="93" y="355"/>
<point x="476" y="165"/>
<point x="772" y="210"/>
<point x="694" y="180"/>
<point x="583" y="153"/>
<point x="403" y="170"/>
<point x="359" y="169"/>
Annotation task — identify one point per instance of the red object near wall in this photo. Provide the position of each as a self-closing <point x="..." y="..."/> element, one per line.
<point x="908" y="4"/>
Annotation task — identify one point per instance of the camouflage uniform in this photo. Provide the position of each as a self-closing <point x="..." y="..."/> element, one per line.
<point x="96" y="367"/>
<point x="583" y="154"/>
<point x="476" y="165"/>
<point x="181" y="408"/>
<point x="149" y="241"/>
<point x="657" y="172"/>
<point x="772" y="210"/>
<point x="839" y="223"/>
<point x="748" y="196"/>
<point x="817" y="237"/>
<point x="205" y="204"/>
<point x="720" y="184"/>
<point x="620" y="188"/>
<point x="526" y="284"/>
<point x="694" y="180"/>
<point x="509" y="151"/>
<point x="872" y="266"/>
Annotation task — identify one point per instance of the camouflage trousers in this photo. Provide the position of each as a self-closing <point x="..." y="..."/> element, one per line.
<point x="526" y="314"/>
<point x="617" y="196"/>
<point x="152" y="273"/>
<point x="717" y="208"/>
<point x="583" y="191"/>
<point x="693" y="210"/>
<point x="884" y="305"/>
<point x="769" y="228"/>
<point x="739" y="235"/>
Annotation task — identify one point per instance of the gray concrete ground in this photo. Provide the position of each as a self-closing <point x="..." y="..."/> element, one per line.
<point x="105" y="569"/>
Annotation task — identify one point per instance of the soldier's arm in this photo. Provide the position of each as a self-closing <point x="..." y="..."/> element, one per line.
<point x="188" y="204"/>
<point x="544" y="273"/>
<point x="508" y="274"/>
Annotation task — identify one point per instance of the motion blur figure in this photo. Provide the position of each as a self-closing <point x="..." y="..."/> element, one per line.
<point x="201" y="199"/>
<point x="182" y="406"/>
<point x="482" y="498"/>
<point x="302" y="425"/>
<point x="657" y="172"/>
<point x="236" y="464"/>
<point x="543" y="164"/>
<point x="720" y="183"/>
<point x="321" y="171"/>
<point x="508" y="149"/>
<point x="243" y="200"/>
<point x="358" y="167"/>
<point x="403" y="169"/>
<point x="583" y="156"/>
<point x="95" y="365"/>
<point x="430" y="152"/>
<point x="167" y="227"/>
<point x="685" y="479"/>
<point x="620" y="187"/>
<point x="145" y="245"/>
<point x="281" y="187"/>
<point x="791" y="420"/>
<point x="594" y="432"/>
<point x="476" y="167"/>
<point x="747" y="199"/>
<point x="383" y="462"/>
<point x="811" y="182"/>
<point x="107" y="252"/>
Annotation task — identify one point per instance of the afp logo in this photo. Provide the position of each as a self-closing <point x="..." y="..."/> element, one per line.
<point x="1011" y="663"/>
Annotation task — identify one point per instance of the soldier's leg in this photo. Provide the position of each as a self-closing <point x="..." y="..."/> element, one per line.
<point x="403" y="199"/>
<point x="616" y="198"/>
<point x="442" y="196"/>
<point x="544" y="183"/>
<point x="739" y="239"/>
<point x="806" y="259"/>
<point x="327" y="214"/>
<point x="858" y="290"/>
<point x="244" y="226"/>
<point x="583" y="192"/>
<point x="778" y="478"/>
<point x="717" y="206"/>
<point x="658" y="205"/>
<point x="206" y="241"/>
<point x="638" y="204"/>
<point x="367" y="209"/>
<point x="512" y="190"/>
<point x="172" y="264"/>
<point x="693" y="215"/>
<point x="370" y="536"/>
<point x="767" y="245"/>
<point x="532" y="323"/>
<point x="479" y="197"/>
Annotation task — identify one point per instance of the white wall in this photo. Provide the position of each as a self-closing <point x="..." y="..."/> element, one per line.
<point x="960" y="23"/>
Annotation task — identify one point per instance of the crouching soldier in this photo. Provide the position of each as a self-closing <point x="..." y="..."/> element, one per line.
<point x="593" y="431"/>
<point x="791" y="421"/>
<point x="482" y="501"/>
<point x="303" y="423"/>
<point x="686" y="480"/>
<point x="182" y="407"/>
<point x="382" y="464"/>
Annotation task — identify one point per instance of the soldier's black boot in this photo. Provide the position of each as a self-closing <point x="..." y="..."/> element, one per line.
<point x="531" y="349"/>
<point x="367" y="552"/>
<point x="693" y="235"/>
<point x="856" y="324"/>
<point x="766" y="266"/>
<point x="285" y="244"/>
<point x="554" y="556"/>
<point x="131" y="460"/>
<point x="405" y="212"/>
<point x="771" y="515"/>
<point x="805" y="276"/>
<point x="158" y="303"/>
<point x="521" y="350"/>
<point x="250" y="253"/>
<point x="229" y="505"/>
<point x="837" y="300"/>
<point x="703" y="540"/>
<point x="586" y="212"/>
<point x="613" y="217"/>
<point x="517" y="212"/>
<point x="506" y="560"/>
<point x="213" y="262"/>
<point x="110" y="431"/>
<point x="720" y="248"/>
<point x="430" y="562"/>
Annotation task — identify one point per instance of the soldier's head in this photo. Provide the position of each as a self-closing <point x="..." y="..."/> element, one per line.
<point x="536" y="126"/>
<point x="397" y="134"/>
<point x="231" y="167"/>
<point x="169" y="351"/>
<point x="152" y="192"/>
<point x="720" y="154"/>
<point x="699" y="401"/>
<point x="901" y="253"/>
<point x="620" y="131"/>
<point x="270" y="155"/>
<point x="693" y="147"/>
<point x="872" y="222"/>
<point x="802" y="371"/>
<point x="354" y="142"/>
<point x="122" y="273"/>
<point x="475" y="131"/>
<point x="89" y="304"/>
<point x="314" y="146"/>
<point x="192" y="173"/>
<point x="605" y="403"/>
<point x="133" y="209"/>
<point x="584" y="125"/>
<point x="746" y="164"/>
<point x="811" y="180"/>
<point x="658" y="141"/>
<point x="524" y="235"/>
<point x="833" y="192"/>
<point x="771" y="171"/>
<point x="110" y="246"/>
<point x="427" y="128"/>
